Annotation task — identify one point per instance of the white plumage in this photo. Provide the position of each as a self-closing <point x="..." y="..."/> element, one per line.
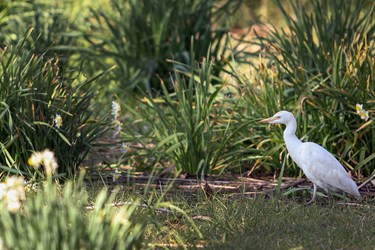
<point x="319" y="166"/>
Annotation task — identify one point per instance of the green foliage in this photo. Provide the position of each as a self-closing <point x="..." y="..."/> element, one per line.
<point x="139" y="36"/>
<point x="54" y="28"/>
<point x="320" y="67"/>
<point x="194" y="128"/>
<point x="66" y="219"/>
<point x="33" y="94"/>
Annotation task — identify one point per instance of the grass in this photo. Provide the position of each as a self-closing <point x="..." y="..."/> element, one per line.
<point x="146" y="216"/>
<point x="274" y="224"/>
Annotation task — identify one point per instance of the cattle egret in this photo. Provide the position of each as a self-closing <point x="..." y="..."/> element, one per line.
<point x="319" y="166"/>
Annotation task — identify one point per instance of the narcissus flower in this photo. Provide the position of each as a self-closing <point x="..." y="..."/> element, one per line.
<point x="362" y="112"/>
<point x="12" y="192"/>
<point x="58" y="121"/>
<point x="45" y="158"/>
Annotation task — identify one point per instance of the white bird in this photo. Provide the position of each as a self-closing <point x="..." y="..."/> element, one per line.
<point x="319" y="166"/>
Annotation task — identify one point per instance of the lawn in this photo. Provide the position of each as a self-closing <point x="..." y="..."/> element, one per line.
<point x="246" y="213"/>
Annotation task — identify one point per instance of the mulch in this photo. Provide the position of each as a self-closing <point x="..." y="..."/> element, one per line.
<point x="228" y="184"/>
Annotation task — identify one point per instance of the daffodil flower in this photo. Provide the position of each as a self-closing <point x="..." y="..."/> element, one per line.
<point x="359" y="108"/>
<point x="58" y="121"/>
<point x="362" y="112"/>
<point x="45" y="158"/>
<point x="12" y="192"/>
<point x="364" y="115"/>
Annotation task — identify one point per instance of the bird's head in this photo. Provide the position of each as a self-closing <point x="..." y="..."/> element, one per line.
<point x="282" y="117"/>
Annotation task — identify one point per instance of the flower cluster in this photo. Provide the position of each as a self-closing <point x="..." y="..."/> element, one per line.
<point x="12" y="192"/>
<point x="362" y="112"/>
<point x="45" y="158"/>
<point x="116" y="108"/>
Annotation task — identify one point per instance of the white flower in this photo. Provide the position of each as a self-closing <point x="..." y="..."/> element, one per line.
<point x="45" y="158"/>
<point x="362" y="112"/>
<point x="364" y="115"/>
<point x="12" y="192"/>
<point x="3" y="190"/>
<point x="35" y="159"/>
<point x="116" y="108"/>
<point x="49" y="162"/>
<point x="58" y="121"/>
<point x="13" y="206"/>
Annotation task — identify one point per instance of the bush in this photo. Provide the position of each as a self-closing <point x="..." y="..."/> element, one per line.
<point x="35" y="99"/>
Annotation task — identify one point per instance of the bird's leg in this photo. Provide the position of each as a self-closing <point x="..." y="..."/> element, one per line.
<point x="314" y="194"/>
<point x="330" y="197"/>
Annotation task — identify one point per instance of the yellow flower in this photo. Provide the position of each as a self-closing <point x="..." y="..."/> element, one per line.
<point x="359" y="108"/>
<point x="35" y="159"/>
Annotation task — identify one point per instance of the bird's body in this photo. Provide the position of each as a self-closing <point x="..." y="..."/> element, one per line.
<point x="319" y="166"/>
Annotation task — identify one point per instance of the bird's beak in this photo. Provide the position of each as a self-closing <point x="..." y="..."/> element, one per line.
<point x="268" y="120"/>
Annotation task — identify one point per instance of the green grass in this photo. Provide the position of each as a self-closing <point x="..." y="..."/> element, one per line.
<point x="275" y="224"/>
<point x="155" y="217"/>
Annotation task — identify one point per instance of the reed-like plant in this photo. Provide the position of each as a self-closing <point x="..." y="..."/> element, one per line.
<point x="195" y="126"/>
<point x="39" y="109"/>
<point x="139" y="36"/>
<point x="322" y="65"/>
<point x="66" y="217"/>
<point x="53" y="24"/>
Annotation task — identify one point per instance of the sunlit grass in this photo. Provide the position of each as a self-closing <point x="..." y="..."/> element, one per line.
<point x="273" y="224"/>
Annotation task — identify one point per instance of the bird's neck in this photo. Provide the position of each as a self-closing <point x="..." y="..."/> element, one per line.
<point x="290" y="130"/>
<point x="291" y="140"/>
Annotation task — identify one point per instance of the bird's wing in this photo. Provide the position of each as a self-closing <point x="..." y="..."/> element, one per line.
<point x="323" y="169"/>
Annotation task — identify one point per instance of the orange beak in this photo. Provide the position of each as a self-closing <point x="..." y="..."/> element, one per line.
<point x="268" y="120"/>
